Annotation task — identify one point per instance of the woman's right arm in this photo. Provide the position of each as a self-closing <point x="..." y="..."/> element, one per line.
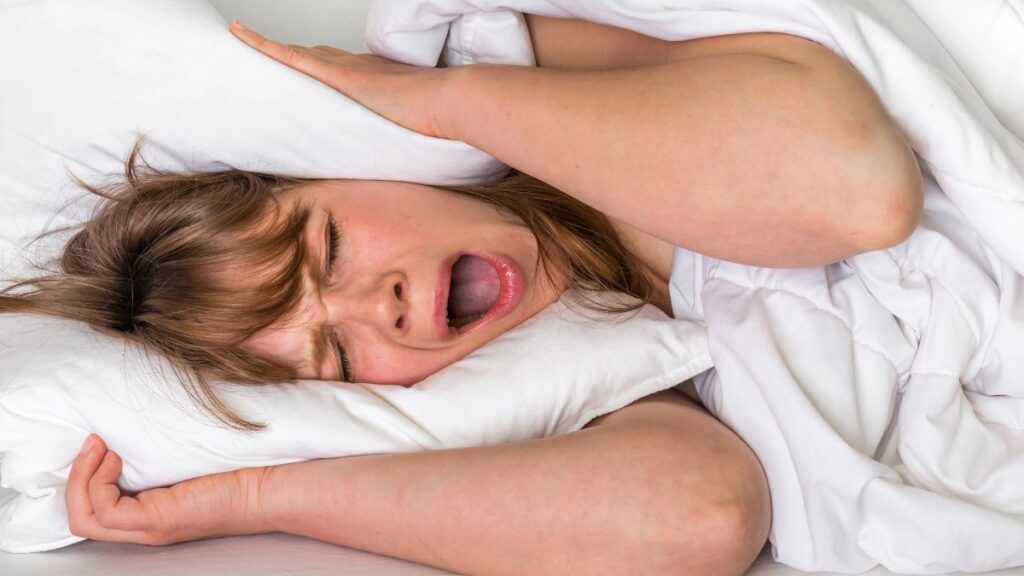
<point x="768" y="150"/>
<point x="658" y="487"/>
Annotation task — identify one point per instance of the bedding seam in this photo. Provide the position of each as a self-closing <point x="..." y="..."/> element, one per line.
<point x="843" y="321"/>
<point x="979" y="188"/>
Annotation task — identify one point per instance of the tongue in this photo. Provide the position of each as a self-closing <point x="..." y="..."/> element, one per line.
<point x="475" y="287"/>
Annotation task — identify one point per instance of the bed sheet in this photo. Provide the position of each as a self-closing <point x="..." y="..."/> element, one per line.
<point x="266" y="555"/>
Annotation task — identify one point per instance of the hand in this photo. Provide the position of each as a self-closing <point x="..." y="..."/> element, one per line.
<point x="219" y="505"/>
<point x="406" y="95"/>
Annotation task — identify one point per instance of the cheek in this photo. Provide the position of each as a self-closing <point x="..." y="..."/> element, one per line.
<point x="380" y="232"/>
<point x="395" y="364"/>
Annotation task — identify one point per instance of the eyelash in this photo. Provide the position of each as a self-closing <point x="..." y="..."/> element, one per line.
<point x="333" y="238"/>
<point x="346" y="366"/>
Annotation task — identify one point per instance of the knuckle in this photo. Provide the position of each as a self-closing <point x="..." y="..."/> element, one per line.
<point x="108" y="517"/>
<point x="104" y="518"/>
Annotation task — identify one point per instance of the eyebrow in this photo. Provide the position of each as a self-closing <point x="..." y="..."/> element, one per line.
<point x="322" y="349"/>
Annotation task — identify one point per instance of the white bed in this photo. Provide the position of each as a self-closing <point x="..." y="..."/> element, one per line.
<point x="268" y="555"/>
<point x="306" y="22"/>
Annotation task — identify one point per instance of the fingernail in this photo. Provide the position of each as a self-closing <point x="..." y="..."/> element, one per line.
<point x="88" y="445"/>
<point x="239" y="25"/>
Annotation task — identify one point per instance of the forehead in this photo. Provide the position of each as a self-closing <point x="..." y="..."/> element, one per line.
<point x="363" y="194"/>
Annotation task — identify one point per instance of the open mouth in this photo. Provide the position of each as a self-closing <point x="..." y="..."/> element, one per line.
<point x="475" y="287"/>
<point x="481" y="288"/>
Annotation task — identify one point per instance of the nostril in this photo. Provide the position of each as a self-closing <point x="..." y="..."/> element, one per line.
<point x="398" y="292"/>
<point x="400" y="323"/>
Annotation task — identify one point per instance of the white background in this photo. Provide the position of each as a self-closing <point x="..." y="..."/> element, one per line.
<point x="308" y="22"/>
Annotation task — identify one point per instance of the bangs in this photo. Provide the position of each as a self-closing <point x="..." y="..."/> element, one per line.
<point x="187" y="265"/>
<point x="246" y="270"/>
<point x="196" y="264"/>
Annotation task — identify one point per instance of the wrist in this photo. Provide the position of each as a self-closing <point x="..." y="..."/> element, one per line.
<point x="258" y="502"/>
<point x="452" y="98"/>
<point x="301" y="498"/>
<point x="478" y="103"/>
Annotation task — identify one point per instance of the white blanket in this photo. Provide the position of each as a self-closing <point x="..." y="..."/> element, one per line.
<point x="884" y="395"/>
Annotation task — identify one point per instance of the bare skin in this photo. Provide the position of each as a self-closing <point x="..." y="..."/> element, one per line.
<point x="659" y="487"/>
<point x="761" y="148"/>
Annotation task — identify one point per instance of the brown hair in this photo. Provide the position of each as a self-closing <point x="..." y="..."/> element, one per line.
<point x="160" y="264"/>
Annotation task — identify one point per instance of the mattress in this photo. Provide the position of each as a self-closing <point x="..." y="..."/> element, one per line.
<point x="266" y="555"/>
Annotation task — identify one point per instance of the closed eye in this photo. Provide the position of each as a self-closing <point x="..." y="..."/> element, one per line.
<point x="343" y="362"/>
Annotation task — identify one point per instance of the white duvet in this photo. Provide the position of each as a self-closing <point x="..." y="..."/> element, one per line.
<point x="884" y="395"/>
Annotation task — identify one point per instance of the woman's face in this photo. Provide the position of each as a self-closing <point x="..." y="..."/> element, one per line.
<point x="404" y="279"/>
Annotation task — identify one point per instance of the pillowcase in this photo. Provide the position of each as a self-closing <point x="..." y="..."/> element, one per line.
<point x="550" y="375"/>
<point x="83" y="81"/>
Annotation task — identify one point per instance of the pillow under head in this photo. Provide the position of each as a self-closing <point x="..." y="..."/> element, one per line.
<point x="61" y="381"/>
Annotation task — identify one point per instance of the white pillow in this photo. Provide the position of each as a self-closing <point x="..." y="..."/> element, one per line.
<point x="550" y="375"/>
<point x="82" y="81"/>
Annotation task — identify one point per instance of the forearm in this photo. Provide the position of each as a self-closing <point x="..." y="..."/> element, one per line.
<point x="632" y="497"/>
<point x="658" y="487"/>
<point x="741" y="156"/>
<point x="520" y="509"/>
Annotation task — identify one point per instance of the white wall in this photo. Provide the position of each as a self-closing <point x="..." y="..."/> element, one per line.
<point x="308" y="22"/>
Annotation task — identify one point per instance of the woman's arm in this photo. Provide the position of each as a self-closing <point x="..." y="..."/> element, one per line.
<point x="768" y="150"/>
<point x="659" y="487"/>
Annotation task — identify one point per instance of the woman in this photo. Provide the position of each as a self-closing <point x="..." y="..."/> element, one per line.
<point x="763" y="149"/>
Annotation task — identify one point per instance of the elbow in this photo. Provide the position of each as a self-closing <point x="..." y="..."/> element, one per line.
<point x="870" y="175"/>
<point x="731" y="533"/>
<point x="888" y="221"/>
<point x="724" y="540"/>
<point x="885" y="193"/>
<point x="718" y="526"/>
<point x="898" y="198"/>
<point x="737" y="532"/>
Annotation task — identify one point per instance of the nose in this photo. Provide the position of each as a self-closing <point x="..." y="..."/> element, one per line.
<point x="380" y="302"/>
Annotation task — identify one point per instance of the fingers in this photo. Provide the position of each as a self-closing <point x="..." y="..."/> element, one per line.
<point x="111" y="509"/>
<point x="327" y="50"/>
<point x="95" y="507"/>
<point x="302" y="59"/>
<point x="76" y="496"/>
<point x="102" y="485"/>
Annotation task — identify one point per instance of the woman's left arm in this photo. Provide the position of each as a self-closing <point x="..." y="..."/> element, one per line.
<point x="658" y="487"/>
<point x="772" y="151"/>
